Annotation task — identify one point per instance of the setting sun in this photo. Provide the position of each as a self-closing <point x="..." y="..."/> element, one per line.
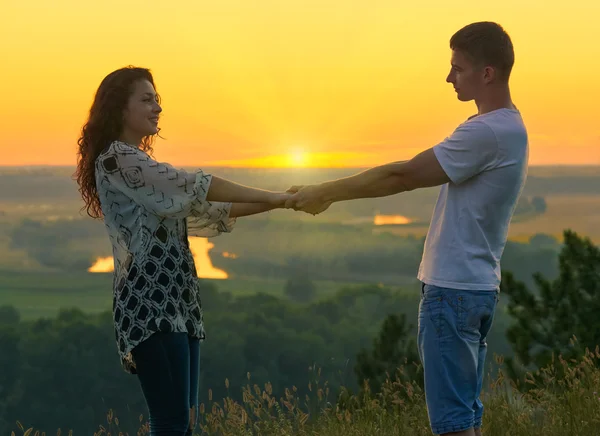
<point x="242" y="85"/>
<point x="298" y="159"/>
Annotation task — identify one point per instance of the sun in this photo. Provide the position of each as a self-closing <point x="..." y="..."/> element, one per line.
<point x="298" y="158"/>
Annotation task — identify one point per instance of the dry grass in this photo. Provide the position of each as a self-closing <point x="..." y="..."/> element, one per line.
<point x="560" y="399"/>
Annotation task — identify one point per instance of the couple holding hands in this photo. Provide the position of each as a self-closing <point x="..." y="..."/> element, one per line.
<point x="150" y="208"/>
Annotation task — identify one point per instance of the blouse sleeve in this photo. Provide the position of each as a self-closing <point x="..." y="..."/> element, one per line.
<point x="213" y="222"/>
<point x="159" y="187"/>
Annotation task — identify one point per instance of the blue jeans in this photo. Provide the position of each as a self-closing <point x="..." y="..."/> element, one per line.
<point x="168" y="367"/>
<point x="453" y="325"/>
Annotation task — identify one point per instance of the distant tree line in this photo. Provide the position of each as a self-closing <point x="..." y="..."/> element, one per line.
<point x="528" y="205"/>
<point x="281" y="250"/>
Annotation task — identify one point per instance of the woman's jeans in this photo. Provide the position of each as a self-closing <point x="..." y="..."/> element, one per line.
<point x="168" y="369"/>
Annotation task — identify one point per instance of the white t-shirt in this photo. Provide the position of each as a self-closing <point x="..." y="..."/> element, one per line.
<point x="486" y="160"/>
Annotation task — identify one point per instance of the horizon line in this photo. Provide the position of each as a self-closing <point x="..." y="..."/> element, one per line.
<point x="290" y="168"/>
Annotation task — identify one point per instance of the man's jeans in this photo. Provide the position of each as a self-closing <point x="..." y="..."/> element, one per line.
<point x="453" y="325"/>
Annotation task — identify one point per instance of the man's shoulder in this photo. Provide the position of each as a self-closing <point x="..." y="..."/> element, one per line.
<point x="506" y="118"/>
<point x="474" y="130"/>
<point x="505" y="125"/>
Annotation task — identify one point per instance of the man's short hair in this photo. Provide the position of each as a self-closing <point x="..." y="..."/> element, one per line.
<point x="486" y="44"/>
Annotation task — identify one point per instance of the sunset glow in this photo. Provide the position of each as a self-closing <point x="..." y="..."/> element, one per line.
<point x="383" y="220"/>
<point x="103" y="265"/>
<point x="204" y="267"/>
<point x="294" y="83"/>
<point x="298" y="159"/>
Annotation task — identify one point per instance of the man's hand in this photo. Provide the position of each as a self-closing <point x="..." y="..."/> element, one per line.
<point x="308" y="199"/>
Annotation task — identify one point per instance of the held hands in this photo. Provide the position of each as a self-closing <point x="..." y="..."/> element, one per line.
<point x="279" y="199"/>
<point x="307" y="199"/>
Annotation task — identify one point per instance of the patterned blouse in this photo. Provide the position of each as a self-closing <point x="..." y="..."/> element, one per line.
<point x="149" y="209"/>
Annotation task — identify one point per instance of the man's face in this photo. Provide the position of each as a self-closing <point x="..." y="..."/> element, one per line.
<point x="468" y="81"/>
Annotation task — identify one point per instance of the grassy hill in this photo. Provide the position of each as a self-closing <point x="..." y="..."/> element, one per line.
<point x="551" y="406"/>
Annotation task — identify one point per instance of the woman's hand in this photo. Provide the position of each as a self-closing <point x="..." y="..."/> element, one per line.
<point x="278" y="199"/>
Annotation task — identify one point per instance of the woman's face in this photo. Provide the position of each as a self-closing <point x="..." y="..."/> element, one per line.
<point x="140" y="118"/>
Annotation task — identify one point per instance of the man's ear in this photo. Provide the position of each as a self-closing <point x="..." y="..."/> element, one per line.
<point x="489" y="74"/>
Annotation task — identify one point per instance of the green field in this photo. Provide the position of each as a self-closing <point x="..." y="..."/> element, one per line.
<point x="43" y="294"/>
<point x="39" y="290"/>
<point x="40" y="294"/>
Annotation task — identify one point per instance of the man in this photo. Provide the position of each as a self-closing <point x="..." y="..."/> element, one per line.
<point x="482" y="168"/>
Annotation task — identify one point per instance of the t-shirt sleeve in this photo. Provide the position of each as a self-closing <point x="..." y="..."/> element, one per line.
<point x="157" y="186"/>
<point x="471" y="149"/>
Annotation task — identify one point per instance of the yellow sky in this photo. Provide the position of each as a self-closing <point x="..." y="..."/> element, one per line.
<point x="292" y="82"/>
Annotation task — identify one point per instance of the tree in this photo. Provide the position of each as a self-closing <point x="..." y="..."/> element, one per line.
<point x="9" y="316"/>
<point x="539" y="204"/>
<point x="542" y="240"/>
<point x="300" y="288"/>
<point x="70" y="245"/>
<point x="392" y="349"/>
<point x="566" y="307"/>
<point x="10" y="368"/>
<point x="523" y="206"/>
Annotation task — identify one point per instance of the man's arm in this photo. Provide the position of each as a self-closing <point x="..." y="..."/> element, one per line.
<point x="422" y="171"/>
<point x="471" y="149"/>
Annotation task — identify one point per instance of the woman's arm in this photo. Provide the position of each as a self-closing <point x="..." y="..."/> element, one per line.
<point x="170" y="192"/>
<point x="227" y="191"/>
<point x="221" y="218"/>
<point x="246" y="209"/>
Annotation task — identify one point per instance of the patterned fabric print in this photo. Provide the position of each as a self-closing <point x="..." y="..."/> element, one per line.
<point x="149" y="210"/>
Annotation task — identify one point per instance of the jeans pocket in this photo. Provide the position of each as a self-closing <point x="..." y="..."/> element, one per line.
<point x="431" y="295"/>
<point x="475" y="316"/>
<point x="432" y="311"/>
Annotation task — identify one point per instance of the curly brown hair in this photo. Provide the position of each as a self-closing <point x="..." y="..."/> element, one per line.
<point x="104" y="125"/>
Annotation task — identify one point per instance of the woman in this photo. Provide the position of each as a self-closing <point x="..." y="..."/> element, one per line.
<point x="150" y="209"/>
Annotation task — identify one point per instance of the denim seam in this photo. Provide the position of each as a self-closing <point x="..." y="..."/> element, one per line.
<point x="449" y="426"/>
<point x="439" y="335"/>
